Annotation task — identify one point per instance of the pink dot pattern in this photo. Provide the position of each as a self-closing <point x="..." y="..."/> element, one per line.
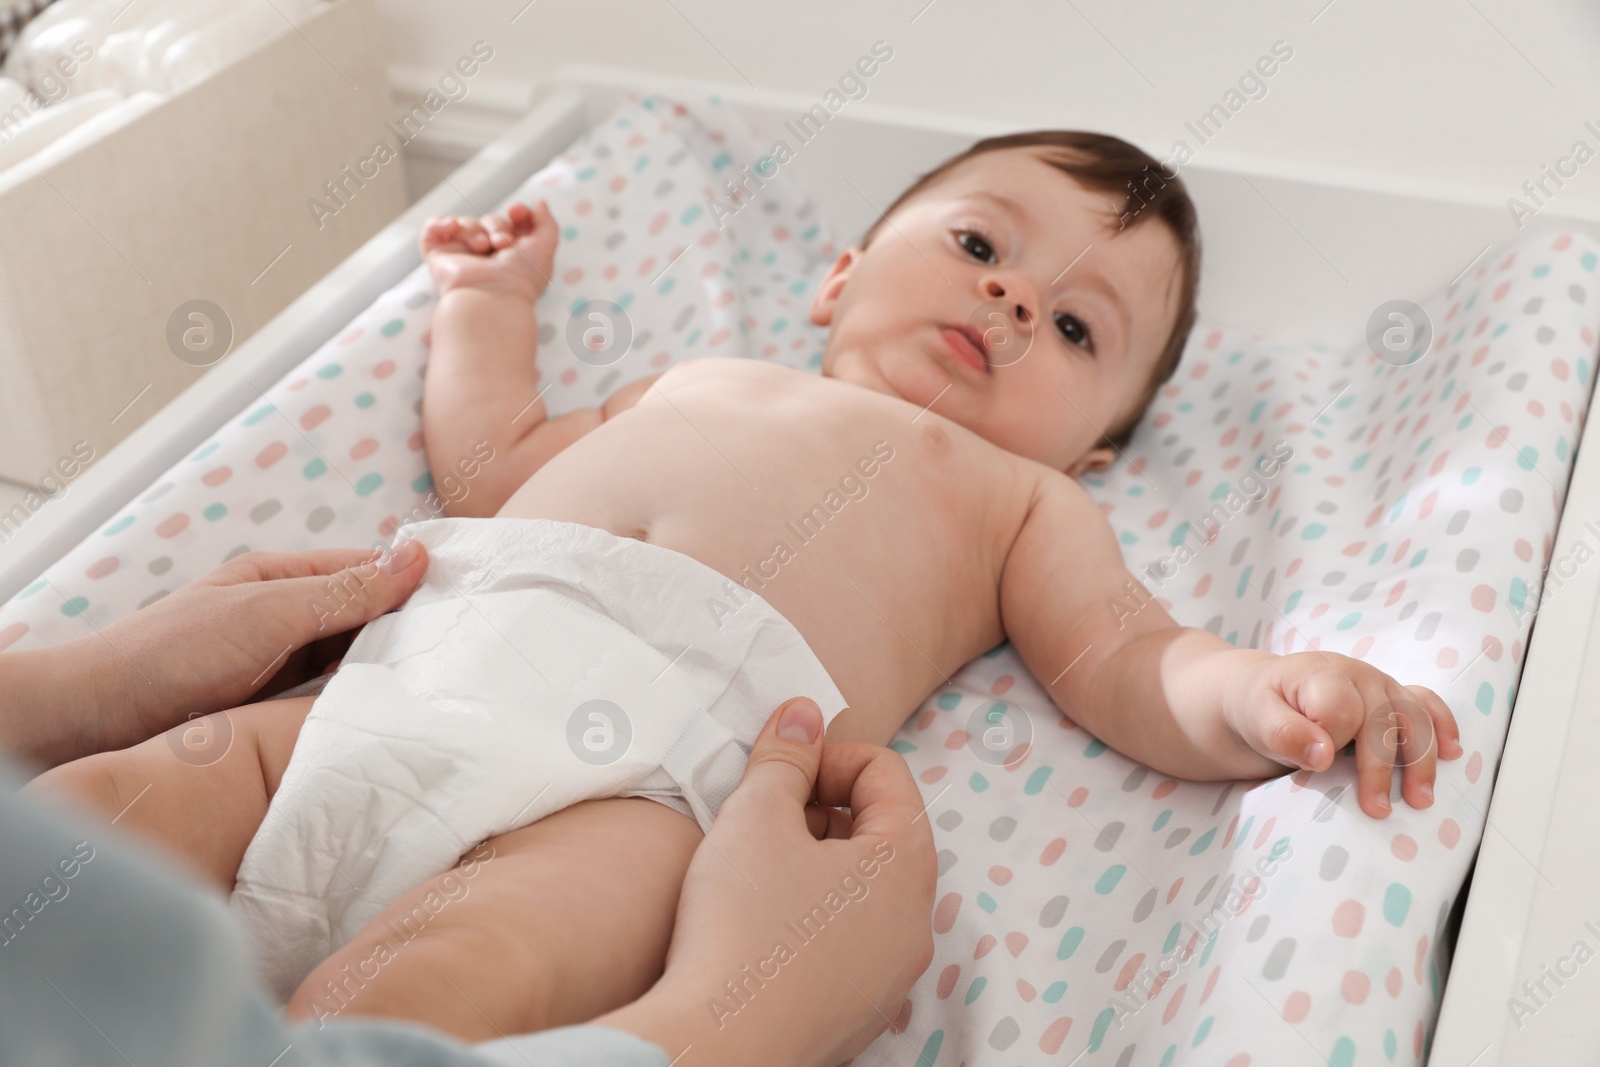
<point x="1084" y="901"/>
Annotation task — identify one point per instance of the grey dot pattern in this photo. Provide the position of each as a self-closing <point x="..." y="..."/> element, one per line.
<point x="1334" y="858"/>
<point x="1278" y="959"/>
<point x="1296" y="905"/>
<point x="1113" y="952"/>
<point x="1107" y="839"/>
<point x="1004" y="1034"/>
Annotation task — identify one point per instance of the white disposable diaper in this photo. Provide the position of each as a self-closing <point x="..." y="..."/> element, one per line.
<point x="539" y="663"/>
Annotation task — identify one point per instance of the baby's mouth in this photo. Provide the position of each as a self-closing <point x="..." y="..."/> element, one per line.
<point x="967" y="343"/>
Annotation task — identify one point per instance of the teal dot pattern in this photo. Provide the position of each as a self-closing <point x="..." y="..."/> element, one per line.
<point x="335" y="454"/>
<point x="1239" y="923"/>
<point x="1084" y="902"/>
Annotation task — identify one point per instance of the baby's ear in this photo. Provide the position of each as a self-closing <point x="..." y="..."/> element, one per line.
<point x="827" y="294"/>
<point x="1096" y="459"/>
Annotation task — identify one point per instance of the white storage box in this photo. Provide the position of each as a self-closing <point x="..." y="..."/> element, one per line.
<point x="206" y="196"/>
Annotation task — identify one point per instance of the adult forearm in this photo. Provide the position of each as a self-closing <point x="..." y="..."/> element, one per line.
<point x="1161" y="699"/>
<point x="50" y="706"/>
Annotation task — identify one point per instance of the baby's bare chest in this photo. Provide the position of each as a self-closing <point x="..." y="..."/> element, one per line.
<point x="758" y="463"/>
<point x="878" y="532"/>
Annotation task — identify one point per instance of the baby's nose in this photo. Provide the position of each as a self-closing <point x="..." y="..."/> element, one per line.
<point x="995" y="288"/>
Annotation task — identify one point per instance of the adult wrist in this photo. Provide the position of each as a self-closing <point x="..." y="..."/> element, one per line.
<point x="683" y="1026"/>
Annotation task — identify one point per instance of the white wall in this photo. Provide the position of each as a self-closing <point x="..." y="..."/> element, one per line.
<point x="1475" y="92"/>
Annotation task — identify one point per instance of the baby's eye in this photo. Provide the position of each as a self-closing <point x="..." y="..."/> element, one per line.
<point x="1075" y="330"/>
<point x="977" y="246"/>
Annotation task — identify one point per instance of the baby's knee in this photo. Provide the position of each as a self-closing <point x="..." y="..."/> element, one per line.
<point x="91" y="781"/>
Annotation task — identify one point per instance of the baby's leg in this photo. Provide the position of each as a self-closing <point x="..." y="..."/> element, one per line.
<point x="549" y="925"/>
<point x="200" y="790"/>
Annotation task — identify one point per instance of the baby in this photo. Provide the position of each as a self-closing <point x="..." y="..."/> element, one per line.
<point x="708" y="542"/>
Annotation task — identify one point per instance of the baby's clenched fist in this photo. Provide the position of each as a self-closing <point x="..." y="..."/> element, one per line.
<point x="512" y="253"/>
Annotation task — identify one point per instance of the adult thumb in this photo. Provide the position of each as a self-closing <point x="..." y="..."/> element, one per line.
<point x="788" y="753"/>
<point x="358" y="594"/>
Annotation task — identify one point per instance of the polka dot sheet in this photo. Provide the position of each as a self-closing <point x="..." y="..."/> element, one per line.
<point x="1399" y="514"/>
<point x="334" y="454"/>
<point x="1086" y="905"/>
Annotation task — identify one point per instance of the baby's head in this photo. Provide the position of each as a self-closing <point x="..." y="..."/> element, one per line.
<point x="1069" y="259"/>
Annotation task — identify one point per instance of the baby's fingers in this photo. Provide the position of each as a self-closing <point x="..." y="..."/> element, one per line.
<point x="1377" y="748"/>
<point x="521" y="218"/>
<point x="441" y="233"/>
<point x="498" y="229"/>
<point x="1281" y="733"/>
<point x="542" y="224"/>
<point x="1416" y="750"/>
<point x="1445" y="729"/>
<point x="471" y="233"/>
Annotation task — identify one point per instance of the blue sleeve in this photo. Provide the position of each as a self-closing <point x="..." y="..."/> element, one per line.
<point x="108" y="957"/>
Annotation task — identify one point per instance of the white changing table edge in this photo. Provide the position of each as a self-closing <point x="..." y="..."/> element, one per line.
<point x="1550" y="751"/>
<point x="315" y="316"/>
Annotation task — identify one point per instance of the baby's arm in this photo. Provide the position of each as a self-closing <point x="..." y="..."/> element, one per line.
<point x="1184" y="701"/>
<point x="481" y="399"/>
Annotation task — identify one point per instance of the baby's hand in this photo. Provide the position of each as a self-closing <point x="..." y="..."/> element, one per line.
<point x="1303" y="708"/>
<point x="513" y="253"/>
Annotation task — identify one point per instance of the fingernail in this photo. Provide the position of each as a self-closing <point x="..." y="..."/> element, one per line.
<point x="1426" y="789"/>
<point x="401" y="558"/>
<point x="1314" y="753"/>
<point x="802" y="721"/>
<point x="1383" y="802"/>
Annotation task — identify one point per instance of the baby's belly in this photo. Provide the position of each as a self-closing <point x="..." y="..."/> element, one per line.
<point x="879" y="536"/>
<point x="889" y="610"/>
<point x="874" y="664"/>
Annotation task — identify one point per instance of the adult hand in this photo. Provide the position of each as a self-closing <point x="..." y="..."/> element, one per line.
<point x="254" y="626"/>
<point x="800" y="928"/>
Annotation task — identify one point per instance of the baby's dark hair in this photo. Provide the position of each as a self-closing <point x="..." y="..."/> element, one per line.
<point x="1107" y="164"/>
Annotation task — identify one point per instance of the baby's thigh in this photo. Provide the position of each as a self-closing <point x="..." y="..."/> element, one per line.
<point x="549" y="925"/>
<point x="199" y="790"/>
